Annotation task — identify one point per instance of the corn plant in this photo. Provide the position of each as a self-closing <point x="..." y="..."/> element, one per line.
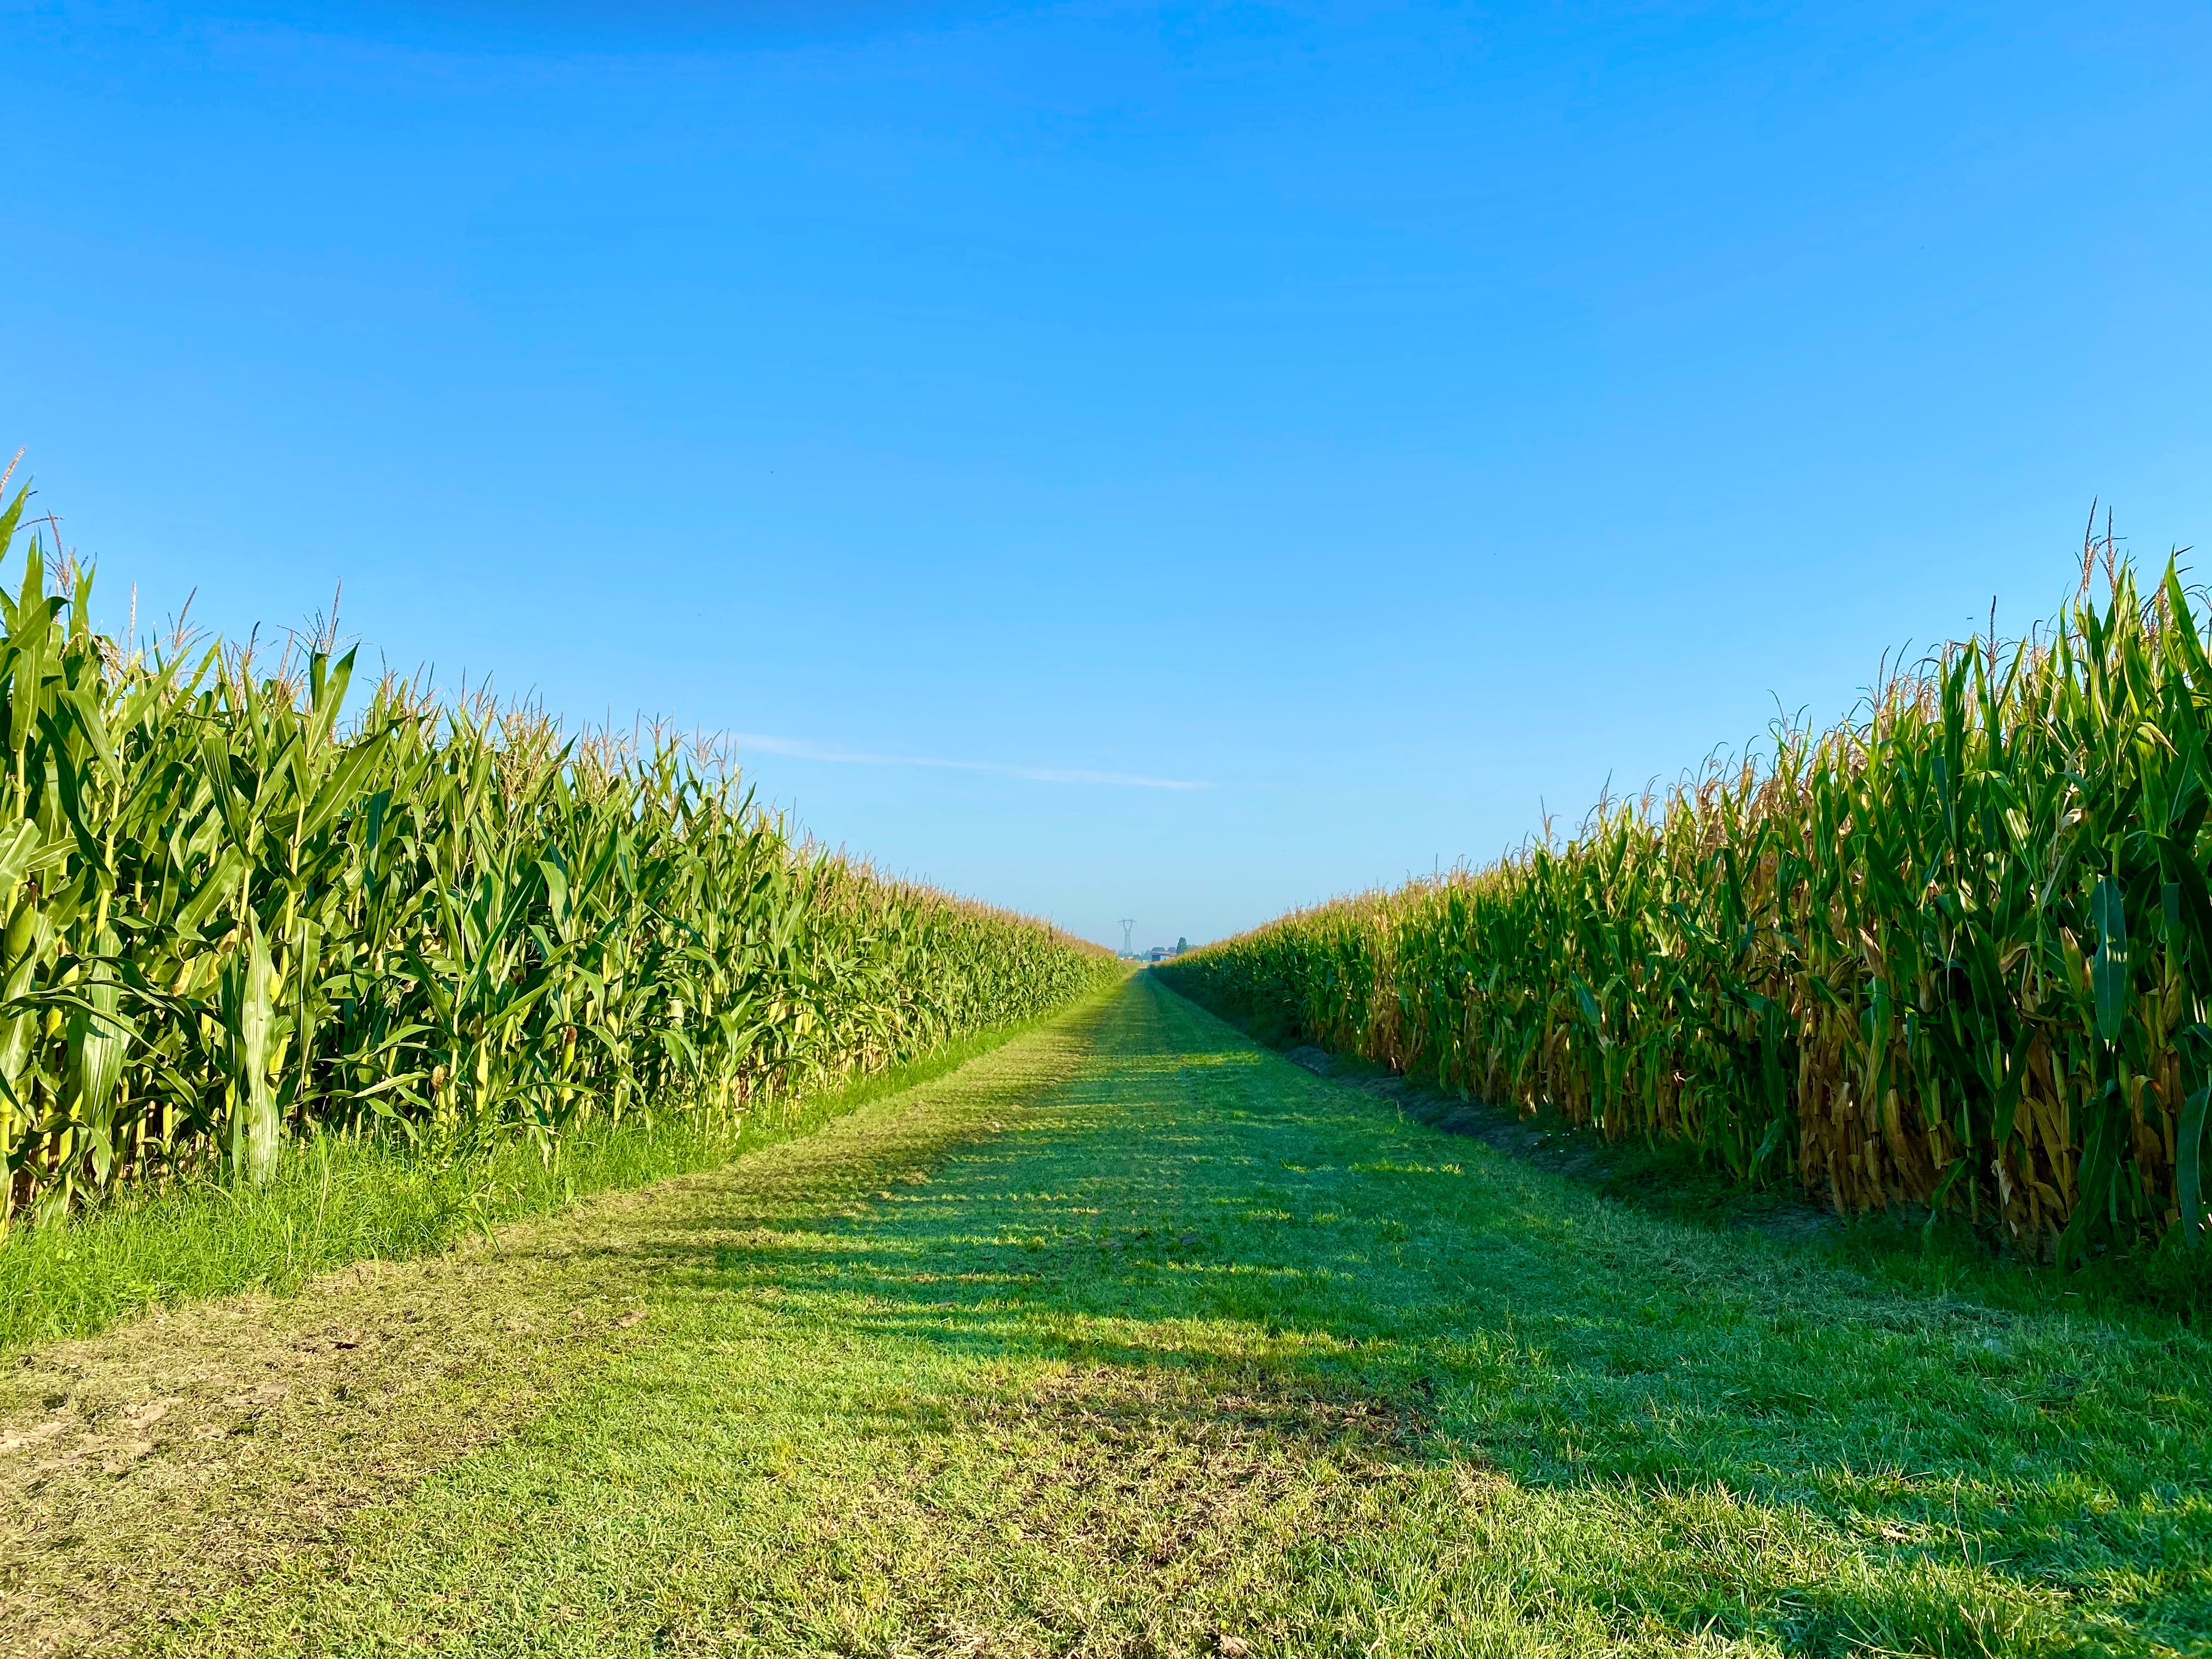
<point x="233" y="914"/>
<point x="1956" y="950"/>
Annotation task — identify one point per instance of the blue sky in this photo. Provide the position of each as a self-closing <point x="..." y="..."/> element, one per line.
<point x="1386" y="421"/>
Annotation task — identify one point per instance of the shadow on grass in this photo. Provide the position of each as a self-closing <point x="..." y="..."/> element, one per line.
<point x="1677" y="1180"/>
<point x="336" y="1199"/>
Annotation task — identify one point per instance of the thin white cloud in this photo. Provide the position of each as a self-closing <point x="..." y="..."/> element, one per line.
<point x="800" y="749"/>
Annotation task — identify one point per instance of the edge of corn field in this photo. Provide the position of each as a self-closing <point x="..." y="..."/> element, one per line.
<point x="335" y="1200"/>
<point x="283" y="986"/>
<point x="1909" y="1246"/>
<point x="237" y="916"/>
<point x="1951" y="954"/>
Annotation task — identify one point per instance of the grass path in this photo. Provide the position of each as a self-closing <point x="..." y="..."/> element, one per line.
<point x="1129" y="1338"/>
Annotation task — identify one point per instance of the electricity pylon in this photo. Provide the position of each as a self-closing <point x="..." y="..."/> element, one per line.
<point x="1127" y="949"/>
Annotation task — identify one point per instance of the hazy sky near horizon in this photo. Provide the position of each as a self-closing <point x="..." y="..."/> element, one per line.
<point x="1175" y="462"/>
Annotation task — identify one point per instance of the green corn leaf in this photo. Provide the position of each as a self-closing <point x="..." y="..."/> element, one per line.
<point x="2108" y="970"/>
<point x="2196" y="1046"/>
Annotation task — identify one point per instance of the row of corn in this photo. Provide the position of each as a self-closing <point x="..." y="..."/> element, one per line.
<point x="1955" y="951"/>
<point x="232" y="913"/>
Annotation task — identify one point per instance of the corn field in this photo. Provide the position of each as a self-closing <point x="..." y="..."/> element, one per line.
<point x="1955" y="951"/>
<point x="233" y="914"/>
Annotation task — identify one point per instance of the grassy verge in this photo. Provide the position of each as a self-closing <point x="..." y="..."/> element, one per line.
<point x="1195" y="1353"/>
<point x="334" y="1200"/>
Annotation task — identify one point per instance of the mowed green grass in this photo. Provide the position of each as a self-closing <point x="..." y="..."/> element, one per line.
<point x="1194" y="1350"/>
<point x="333" y="1200"/>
